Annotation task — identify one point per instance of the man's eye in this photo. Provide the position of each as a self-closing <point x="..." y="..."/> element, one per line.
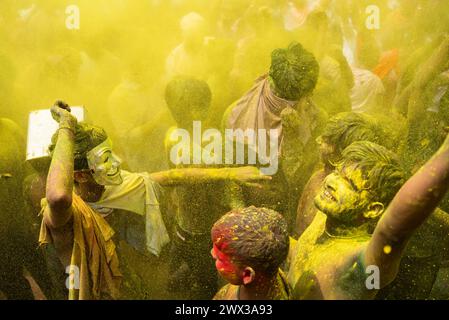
<point x="353" y="186"/>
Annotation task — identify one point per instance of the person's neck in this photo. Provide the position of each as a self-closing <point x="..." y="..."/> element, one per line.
<point x="262" y="288"/>
<point x="336" y="229"/>
<point x="89" y="192"/>
<point x="302" y="104"/>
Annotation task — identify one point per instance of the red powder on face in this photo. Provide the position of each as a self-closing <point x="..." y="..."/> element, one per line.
<point x="220" y="238"/>
<point x="224" y="262"/>
<point x="222" y="253"/>
<point x="222" y="245"/>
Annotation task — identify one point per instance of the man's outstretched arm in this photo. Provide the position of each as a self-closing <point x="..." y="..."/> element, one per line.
<point x="411" y="206"/>
<point x="60" y="175"/>
<point x="247" y="175"/>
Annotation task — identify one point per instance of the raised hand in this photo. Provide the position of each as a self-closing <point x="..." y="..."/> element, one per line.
<point x="290" y="119"/>
<point x="249" y="176"/>
<point x="60" y="111"/>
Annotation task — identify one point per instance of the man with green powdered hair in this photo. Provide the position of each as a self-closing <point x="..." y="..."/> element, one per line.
<point x="281" y="100"/>
<point x="355" y="249"/>
<point x="340" y="131"/>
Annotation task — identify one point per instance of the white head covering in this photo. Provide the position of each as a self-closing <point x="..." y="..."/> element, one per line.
<point x="367" y="88"/>
<point x="191" y="20"/>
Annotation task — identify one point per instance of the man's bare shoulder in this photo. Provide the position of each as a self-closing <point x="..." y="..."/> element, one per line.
<point x="227" y="292"/>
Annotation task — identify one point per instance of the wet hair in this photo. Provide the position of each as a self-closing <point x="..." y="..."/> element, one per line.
<point x="379" y="166"/>
<point x="348" y="127"/>
<point x="184" y="93"/>
<point x="87" y="137"/>
<point x="255" y="237"/>
<point x="294" y="71"/>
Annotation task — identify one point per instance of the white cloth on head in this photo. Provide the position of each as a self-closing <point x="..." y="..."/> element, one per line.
<point x="366" y="90"/>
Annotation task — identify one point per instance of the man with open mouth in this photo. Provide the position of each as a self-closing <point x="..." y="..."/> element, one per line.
<point x="354" y="247"/>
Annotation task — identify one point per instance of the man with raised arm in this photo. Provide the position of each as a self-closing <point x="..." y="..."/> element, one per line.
<point x="85" y="193"/>
<point x="347" y="254"/>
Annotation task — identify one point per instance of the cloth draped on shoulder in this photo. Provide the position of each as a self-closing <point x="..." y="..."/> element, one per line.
<point x="140" y="195"/>
<point x="94" y="266"/>
<point x="259" y="108"/>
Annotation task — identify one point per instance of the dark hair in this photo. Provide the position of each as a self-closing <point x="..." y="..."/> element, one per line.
<point x="183" y="93"/>
<point x="256" y="237"/>
<point x="348" y="127"/>
<point x="294" y="71"/>
<point x="87" y="137"/>
<point x="379" y="166"/>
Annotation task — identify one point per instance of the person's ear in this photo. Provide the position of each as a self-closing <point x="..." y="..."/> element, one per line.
<point x="81" y="177"/>
<point x="248" y="275"/>
<point x="374" y="210"/>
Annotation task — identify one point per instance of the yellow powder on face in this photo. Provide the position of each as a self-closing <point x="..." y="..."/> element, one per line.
<point x="387" y="249"/>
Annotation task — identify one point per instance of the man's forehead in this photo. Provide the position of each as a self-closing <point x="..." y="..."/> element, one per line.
<point x="351" y="169"/>
<point x="218" y="251"/>
<point x="101" y="148"/>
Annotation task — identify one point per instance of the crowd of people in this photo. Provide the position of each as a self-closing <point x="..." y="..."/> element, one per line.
<point x="353" y="93"/>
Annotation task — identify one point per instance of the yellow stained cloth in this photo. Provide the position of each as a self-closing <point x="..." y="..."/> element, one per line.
<point x="258" y="109"/>
<point x="138" y="194"/>
<point x="93" y="253"/>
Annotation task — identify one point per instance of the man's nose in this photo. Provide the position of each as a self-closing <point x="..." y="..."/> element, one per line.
<point x="117" y="160"/>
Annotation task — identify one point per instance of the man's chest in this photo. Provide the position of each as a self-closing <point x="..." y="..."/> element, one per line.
<point x="322" y="271"/>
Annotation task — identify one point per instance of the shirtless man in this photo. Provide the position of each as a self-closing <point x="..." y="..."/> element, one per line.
<point x="339" y="251"/>
<point x="196" y="207"/>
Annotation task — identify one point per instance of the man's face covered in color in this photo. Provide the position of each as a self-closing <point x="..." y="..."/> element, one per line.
<point x="226" y="267"/>
<point x="104" y="164"/>
<point x="343" y="195"/>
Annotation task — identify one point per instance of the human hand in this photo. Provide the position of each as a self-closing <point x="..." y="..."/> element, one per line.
<point x="248" y="176"/>
<point x="60" y="112"/>
<point x="290" y="118"/>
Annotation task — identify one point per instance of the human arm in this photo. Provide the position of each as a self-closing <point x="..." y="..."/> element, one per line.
<point x="59" y="186"/>
<point x="411" y="206"/>
<point x="428" y="70"/>
<point x="345" y="68"/>
<point x="247" y="175"/>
